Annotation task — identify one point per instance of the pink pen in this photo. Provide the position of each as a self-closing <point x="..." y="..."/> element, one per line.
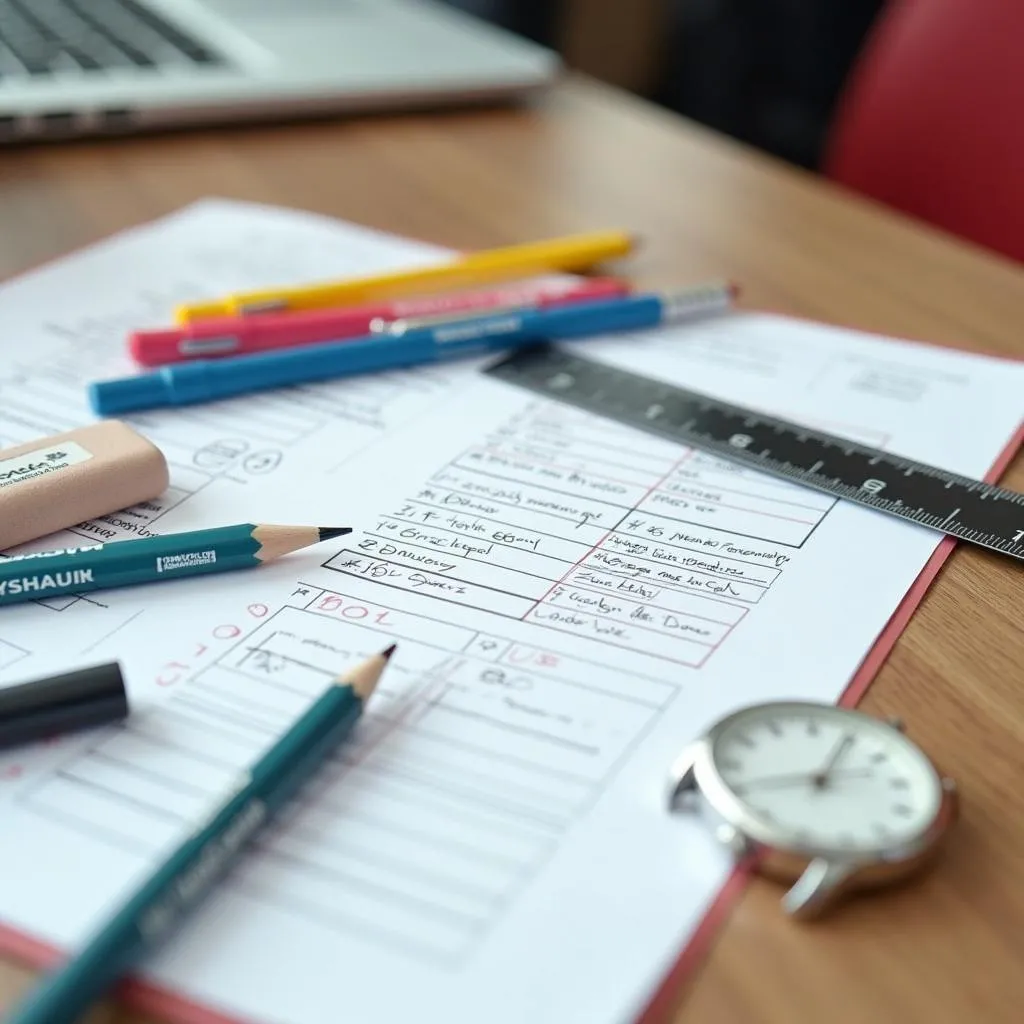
<point x="233" y="336"/>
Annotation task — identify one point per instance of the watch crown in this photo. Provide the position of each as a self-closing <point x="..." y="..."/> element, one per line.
<point x="897" y="723"/>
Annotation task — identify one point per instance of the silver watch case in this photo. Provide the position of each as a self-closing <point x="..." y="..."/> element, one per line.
<point x="820" y="876"/>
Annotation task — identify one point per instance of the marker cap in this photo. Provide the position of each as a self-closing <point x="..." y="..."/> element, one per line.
<point x="63" y="703"/>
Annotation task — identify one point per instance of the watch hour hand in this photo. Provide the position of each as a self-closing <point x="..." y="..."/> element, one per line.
<point x="816" y="889"/>
<point x="821" y="778"/>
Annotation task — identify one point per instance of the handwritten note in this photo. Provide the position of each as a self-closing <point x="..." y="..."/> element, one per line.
<point x="557" y="519"/>
<point x="572" y="601"/>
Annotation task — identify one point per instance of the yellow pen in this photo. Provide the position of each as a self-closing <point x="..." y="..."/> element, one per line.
<point x="572" y="253"/>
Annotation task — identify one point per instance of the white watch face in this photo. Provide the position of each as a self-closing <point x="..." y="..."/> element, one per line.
<point x="816" y="776"/>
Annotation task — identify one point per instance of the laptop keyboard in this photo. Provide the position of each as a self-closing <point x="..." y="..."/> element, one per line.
<point x="41" y="37"/>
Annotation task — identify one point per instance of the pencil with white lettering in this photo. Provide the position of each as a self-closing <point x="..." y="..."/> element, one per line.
<point x="125" y="563"/>
<point x="204" y="856"/>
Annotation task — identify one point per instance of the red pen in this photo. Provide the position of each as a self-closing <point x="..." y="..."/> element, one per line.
<point x="232" y="336"/>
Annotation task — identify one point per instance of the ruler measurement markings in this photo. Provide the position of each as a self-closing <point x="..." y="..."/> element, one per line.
<point x="737" y="435"/>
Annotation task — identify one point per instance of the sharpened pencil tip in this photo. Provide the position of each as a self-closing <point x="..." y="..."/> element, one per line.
<point x="330" y="532"/>
<point x="365" y="678"/>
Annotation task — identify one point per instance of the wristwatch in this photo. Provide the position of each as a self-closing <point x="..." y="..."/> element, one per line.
<point x="826" y="799"/>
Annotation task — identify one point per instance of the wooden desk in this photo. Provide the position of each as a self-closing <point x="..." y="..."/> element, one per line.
<point x="951" y="947"/>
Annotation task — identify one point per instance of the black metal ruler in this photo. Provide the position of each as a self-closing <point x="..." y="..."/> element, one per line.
<point x="970" y="510"/>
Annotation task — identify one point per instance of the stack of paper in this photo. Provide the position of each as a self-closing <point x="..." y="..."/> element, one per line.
<point x="572" y="601"/>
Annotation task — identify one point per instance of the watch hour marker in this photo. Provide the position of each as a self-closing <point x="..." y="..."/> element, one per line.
<point x="744" y="739"/>
<point x="879" y="756"/>
<point x="903" y="810"/>
<point x="812" y="727"/>
<point x="899" y="784"/>
<point x="774" y="728"/>
<point x="729" y="764"/>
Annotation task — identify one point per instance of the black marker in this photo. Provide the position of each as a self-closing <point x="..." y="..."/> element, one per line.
<point x="47" y="707"/>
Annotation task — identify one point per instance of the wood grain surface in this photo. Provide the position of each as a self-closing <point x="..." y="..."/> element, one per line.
<point x="949" y="948"/>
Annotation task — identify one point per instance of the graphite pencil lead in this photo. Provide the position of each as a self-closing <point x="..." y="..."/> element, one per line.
<point x="365" y="677"/>
<point x="330" y="532"/>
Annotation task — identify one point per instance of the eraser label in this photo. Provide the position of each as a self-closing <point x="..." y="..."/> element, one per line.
<point x="42" y="461"/>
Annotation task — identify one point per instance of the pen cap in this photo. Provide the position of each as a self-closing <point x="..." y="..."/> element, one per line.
<point x="58" y="704"/>
<point x="60" y="481"/>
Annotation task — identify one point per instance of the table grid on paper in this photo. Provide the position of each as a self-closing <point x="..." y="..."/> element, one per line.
<point x="580" y="525"/>
<point x="477" y="756"/>
<point x="10" y="653"/>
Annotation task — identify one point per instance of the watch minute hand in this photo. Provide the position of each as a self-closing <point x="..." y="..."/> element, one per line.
<point x="794" y="779"/>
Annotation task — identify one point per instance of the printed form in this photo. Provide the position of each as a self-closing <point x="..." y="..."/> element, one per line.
<point x="573" y="601"/>
<point x="67" y="323"/>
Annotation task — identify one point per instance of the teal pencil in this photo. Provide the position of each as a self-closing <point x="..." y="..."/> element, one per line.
<point x="128" y="562"/>
<point x="192" y="869"/>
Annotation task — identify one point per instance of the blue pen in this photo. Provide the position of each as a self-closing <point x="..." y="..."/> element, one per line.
<point x="208" y="380"/>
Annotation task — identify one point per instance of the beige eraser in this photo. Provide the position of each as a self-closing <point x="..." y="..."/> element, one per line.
<point x="56" y="482"/>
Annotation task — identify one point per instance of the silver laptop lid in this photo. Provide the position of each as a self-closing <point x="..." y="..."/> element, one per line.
<point x="79" y="66"/>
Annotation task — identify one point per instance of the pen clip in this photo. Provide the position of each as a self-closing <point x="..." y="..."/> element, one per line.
<point x="207" y="346"/>
<point x="384" y="326"/>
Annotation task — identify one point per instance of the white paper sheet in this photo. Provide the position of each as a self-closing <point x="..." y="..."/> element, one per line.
<point x="573" y="602"/>
<point x="66" y="325"/>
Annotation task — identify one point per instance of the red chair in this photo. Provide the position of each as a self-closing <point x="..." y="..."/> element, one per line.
<point x="932" y="118"/>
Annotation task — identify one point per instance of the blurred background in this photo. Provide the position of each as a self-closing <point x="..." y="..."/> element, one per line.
<point x="767" y="72"/>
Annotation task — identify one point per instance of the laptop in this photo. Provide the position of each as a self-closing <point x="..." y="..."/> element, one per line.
<point x="85" y="67"/>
